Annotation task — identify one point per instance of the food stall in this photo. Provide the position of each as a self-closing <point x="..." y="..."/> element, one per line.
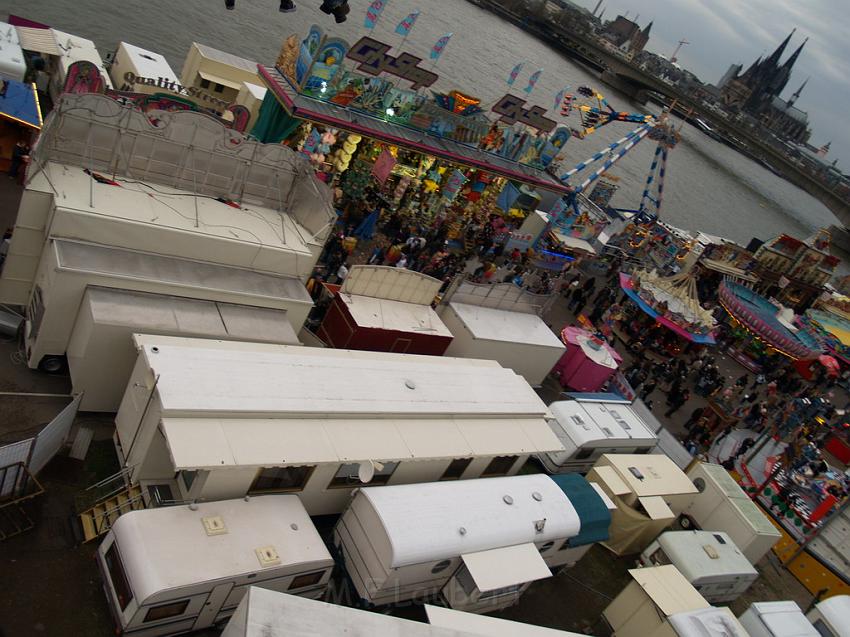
<point x="588" y="363"/>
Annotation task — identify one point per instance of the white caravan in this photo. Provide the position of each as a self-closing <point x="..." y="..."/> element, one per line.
<point x="709" y="561"/>
<point x="723" y="506"/>
<point x="777" y="619"/>
<point x="477" y="544"/>
<point x="209" y="420"/>
<point x="590" y="426"/>
<point x="831" y="617"/>
<point x="176" y="569"/>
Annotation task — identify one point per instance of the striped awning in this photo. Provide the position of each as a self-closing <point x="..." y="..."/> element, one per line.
<point x="38" y="40"/>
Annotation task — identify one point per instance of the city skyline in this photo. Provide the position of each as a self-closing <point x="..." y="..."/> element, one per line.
<point x="738" y="33"/>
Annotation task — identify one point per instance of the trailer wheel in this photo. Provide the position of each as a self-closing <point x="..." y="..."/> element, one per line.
<point x="53" y="364"/>
<point x="687" y="522"/>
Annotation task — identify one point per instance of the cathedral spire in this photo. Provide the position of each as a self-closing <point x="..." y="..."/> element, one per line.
<point x="773" y="60"/>
<point x="796" y="95"/>
<point x="789" y="63"/>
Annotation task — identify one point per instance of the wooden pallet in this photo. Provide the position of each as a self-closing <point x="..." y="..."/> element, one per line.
<point x="98" y="519"/>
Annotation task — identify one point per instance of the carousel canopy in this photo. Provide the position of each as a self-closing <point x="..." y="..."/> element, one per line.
<point x="338" y="116"/>
<point x="761" y="317"/>
<point x="673" y="302"/>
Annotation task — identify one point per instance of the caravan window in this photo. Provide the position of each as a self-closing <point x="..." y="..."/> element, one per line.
<point x="823" y="629"/>
<point x="282" y="479"/>
<point x="456" y="469"/>
<point x="346" y="475"/>
<point x="501" y="592"/>
<point x="499" y="466"/>
<point x="118" y="577"/>
<point x="164" y="611"/>
<point x="308" y="579"/>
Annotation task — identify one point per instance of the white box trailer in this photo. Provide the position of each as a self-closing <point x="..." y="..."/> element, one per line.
<point x="159" y="218"/>
<point x="592" y="425"/>
<point x="710" y="561"/>
<point x="723" y="506"/>
<point x="777" y="619"/>
<point x="131" y="66"/>
<point x="101" y="354"/>
<point x="177" y="569"/>
<point x="205" y="419"/>
<point x="649" y="491"/>
<point x="831" y="617"/>
<point x="476" y="544"/>
<point x="519" y="340"/>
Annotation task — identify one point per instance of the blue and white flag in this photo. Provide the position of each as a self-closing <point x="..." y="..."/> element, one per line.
<point x="405" y="26"/>
<point x="532" y="81"/>
<point x="374" y="12"/>
<point x="440" y="46"/>
<point x="560" y="97"/>
<point x="515" y="73"/>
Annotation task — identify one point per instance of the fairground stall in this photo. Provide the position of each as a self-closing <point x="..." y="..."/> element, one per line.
<point x="20" y="119"/>
<point x="672" y="302"/>
<point x="762" y="330"/>
<point x="588" y="363"/>
<point x="398" y="152"/>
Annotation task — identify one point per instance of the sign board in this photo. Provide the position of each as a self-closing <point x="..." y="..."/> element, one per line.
<point x="512" y="110"/>
<point x="374" y="59"/>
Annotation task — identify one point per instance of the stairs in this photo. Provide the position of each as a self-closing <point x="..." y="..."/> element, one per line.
<point x="100" y="517"/>
<point x="13" y="521"/>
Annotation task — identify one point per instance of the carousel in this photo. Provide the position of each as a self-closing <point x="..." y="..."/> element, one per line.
<point x="763" y="329"/>
<point x="673" y="302"/>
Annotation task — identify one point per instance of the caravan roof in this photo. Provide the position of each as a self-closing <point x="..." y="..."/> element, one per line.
<point x="399" y="316"/>
<point x="442" y="520"/>
<point x="700" y="554"/>
<point x="668" y="589"/>
<point x="836" y="611"/>
<point x="485" y="626"/>
<point x="502" y="325"/>
<point x="783" y="619"/>
<point x="649" y="475"/>
<point x="587" y="421"/>
<point x="73" y="48"/>
<point x="203" y="376"/>
<point x="707" y="622"/>
<point x="169" y="547"/>
<point x="12" y="65"/>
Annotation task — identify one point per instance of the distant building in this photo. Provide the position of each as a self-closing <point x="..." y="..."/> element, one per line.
<point x="626" y="35"/>
<point x="795" y="271"/>
<point x="732" y="73"/>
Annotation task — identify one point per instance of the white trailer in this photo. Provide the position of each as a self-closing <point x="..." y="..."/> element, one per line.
<point x="159" y="219"/>
<point x="649" y="491"/>
<point x="723" y="506"/>
<point x="177" y="569"/>
<point x="590" y="426"/>
<point x="12" y="63"/>
<point x="831" y="617"/>
<point x="72" y="48"/>
<point x="101" y="353"/>
<point x="132" y="65"/>
<point x="710" y="561"/>
<point x="519" y="340"/>
<point x="477" y="544"/>
<point x="208" y="420"/>
<point x="265" y="613"/>
<point x="777" y="619"/>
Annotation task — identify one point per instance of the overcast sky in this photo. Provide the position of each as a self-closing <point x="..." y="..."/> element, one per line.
<point x="724" y="32"/>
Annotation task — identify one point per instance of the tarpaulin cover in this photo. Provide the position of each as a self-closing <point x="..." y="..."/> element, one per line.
<point x="592" y="511"/>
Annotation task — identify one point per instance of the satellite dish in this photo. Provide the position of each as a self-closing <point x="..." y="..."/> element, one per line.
<point x="366" y="470"/>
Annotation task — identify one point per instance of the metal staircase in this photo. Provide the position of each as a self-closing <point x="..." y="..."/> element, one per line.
<point x="17" y="488"/>
<point x="104" y="502"/>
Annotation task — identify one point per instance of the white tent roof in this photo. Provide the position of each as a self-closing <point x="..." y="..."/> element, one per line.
<point x="423" y="521"/>
<point x="502" y="325"/>
<point x="168" y="547"/>
<point x="583" y="422"/>
<point x="203" y="377"/>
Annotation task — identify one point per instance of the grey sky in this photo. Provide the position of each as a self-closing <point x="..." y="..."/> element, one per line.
<point x="723" y="32"/>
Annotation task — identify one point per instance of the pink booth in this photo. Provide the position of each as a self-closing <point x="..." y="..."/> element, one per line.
<point x="588" y="362"/>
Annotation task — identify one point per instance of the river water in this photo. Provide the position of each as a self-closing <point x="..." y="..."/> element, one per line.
<point x="709" y="186"/>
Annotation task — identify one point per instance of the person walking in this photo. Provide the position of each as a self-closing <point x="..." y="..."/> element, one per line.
<point x="648" y="387"/>
<point x="676" y="402"/>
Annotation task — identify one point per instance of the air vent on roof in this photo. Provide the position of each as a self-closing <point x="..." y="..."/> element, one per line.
<point x="709" y="550"/>
<point x="580" y="422"/>
<point x="608" y="433"/>
<point x="268" y="556"/>
<point x="214" y="525"/>
<point x="619" y="420"/>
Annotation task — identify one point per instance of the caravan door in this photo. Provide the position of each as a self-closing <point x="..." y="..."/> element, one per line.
<point x="215" y="600"/>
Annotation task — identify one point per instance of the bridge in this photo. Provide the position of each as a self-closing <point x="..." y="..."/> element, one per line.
<point x="628" y="78"/>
